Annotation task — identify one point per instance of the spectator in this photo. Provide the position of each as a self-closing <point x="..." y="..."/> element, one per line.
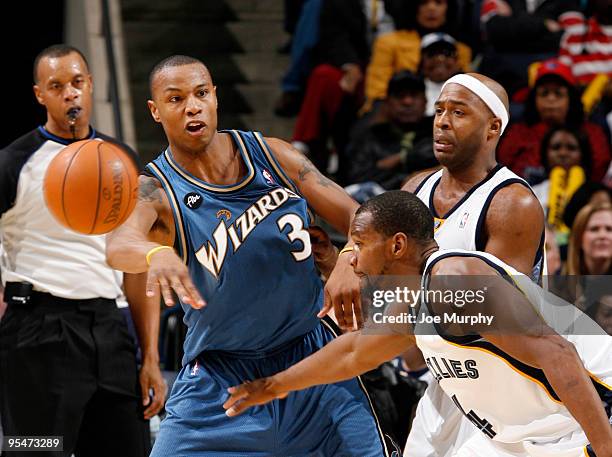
<point x="564" y="149"/>
<point x="601" y="312"/>
<point x="586" y="45"/>
<point x="553" y="256"/>
<point x="590" y="193"/>
<point x="398" y="139"/>
<point x="554" y="100"/>
<point x="306" y="38"/>
<point x="400" y="50"/>
<point x="590" y="247"/>
<point x="331" y="98"/>
<point x="517" y="33"/>
<point x="439" y="62"/>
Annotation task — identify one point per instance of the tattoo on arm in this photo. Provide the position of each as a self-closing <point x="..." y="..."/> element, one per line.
<point x="308" y="167"/>
<point x="148" y="191"/>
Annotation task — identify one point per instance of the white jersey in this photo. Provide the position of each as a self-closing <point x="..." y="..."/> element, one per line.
<point x="474" y="372"/>
<point x="37" y="249"/>
<point x="462" y="227"/>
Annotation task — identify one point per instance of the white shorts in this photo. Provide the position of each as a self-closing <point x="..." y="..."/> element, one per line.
<point x="439" y="428"/>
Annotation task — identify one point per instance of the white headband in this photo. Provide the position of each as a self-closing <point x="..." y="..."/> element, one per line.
<point x="484" y="93"/>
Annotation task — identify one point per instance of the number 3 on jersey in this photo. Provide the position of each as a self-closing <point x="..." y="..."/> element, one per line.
<point x="297" y="233"/>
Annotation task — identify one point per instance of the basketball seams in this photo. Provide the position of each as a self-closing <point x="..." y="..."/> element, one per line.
<point x="129" y="197"/>
<point x="95" y="219"/>
<point x="64" y="178"/>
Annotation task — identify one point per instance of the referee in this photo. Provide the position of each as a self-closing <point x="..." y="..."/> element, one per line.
<point x="67" y="362"/>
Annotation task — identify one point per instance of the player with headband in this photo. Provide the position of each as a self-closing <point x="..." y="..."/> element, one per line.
<point x="478" y="204"/>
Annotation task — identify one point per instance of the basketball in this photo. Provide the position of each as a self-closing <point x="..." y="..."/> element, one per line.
<point x="91" y="186"/>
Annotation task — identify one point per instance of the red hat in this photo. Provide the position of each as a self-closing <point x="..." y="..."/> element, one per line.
<point x="557" y="68"/>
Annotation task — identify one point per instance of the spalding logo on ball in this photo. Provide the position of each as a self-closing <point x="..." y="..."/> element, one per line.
<point x="91" y="186"/>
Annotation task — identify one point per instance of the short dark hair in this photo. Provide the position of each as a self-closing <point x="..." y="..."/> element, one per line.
<point x="405" y="81"/>
<point x="575" y="113"/>
<point x="56" y="50"/>
<point x="583" y="144"/>
<point x="397" y="211"/>
<point x="177" y="60"/>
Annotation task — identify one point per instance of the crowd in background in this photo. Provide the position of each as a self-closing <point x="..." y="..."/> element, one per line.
<point x="365" y="74"/>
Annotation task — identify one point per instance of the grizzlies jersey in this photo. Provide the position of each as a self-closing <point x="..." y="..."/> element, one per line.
<point x="248" y="252"/>
<point x="462" y="227"/>
<point x="507" y="400"/>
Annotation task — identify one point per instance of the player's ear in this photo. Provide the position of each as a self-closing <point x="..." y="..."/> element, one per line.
<point x="495" y="127"/>
<point x="38" y="94"/>
<point x="399" y="245"/>
<point x="154" y="111"/>
<point x="214" y="90"/>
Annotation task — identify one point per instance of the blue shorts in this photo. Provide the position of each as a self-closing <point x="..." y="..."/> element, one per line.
<point x="322" y="421"/>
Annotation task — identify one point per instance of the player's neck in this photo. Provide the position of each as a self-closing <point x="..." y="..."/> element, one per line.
<point x="467" y="177"/>
<point x="79" y="133"/>
<point x="415" y="265"/>
<point x="220" y="163"/>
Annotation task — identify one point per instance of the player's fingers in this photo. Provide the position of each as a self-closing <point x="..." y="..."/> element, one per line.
<point x="327" y="304"/>
<point x="196" y="299"/>
<point x="237" y="409"/>
<point x="180" y="290"/>
<point x="338" y="311"/>
<point x="237" y="394"/>
<point x="166" y="291"/>
<point x="156" y="404"/>
<point x="357" y="308"/>
<point x="152" y="284"/>
<point x="144" y="391"/>
<point x="347" y="304"/>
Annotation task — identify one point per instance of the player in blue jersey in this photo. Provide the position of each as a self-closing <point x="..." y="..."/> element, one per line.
<point x="223" y="220"/>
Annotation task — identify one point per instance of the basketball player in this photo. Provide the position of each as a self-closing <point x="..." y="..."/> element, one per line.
<point x="67" y="362"/>
<point x="478" y="205"/>
<point x="549" y="403"/>
<point x="223" y="221"/>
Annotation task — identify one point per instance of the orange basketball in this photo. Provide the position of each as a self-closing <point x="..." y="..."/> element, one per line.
<point x="91" y="186"/>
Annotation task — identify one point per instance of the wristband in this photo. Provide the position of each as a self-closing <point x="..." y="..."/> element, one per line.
<point x="346" y="249"/>
<point x="153" y="251"/>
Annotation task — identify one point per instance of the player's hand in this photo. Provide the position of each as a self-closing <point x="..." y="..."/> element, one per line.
<point x="325" y="253"/>
<point x="343" y="293"/>
<point x="258" y="392"/>
<point x="168" y="272"/>
<point x="151" y="379"/>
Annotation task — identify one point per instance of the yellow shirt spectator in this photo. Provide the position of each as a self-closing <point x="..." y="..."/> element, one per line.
<point x="396" y="51"/>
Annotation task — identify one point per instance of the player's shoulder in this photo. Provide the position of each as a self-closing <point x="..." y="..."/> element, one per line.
<point x="414" y="182"/>
<point x="461" y="264"/>
<point x="518" y="197"/>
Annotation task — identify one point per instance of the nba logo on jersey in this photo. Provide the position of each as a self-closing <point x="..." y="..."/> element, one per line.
<point x="464" y="219"/>
<point x="195" y="369"/>
<point x="437" y="223"/>
<point x="266" y="174"/>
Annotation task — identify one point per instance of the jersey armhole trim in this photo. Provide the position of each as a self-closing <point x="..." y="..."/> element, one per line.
<point x="181" y="240"/>
<point x="278" y="169"/>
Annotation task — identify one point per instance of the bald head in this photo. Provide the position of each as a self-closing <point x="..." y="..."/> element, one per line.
<point x="494" y="86"/>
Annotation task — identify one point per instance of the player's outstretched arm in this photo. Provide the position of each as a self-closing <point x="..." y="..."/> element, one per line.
<point x="333" y="204"/>
<point x="345" y="357"/>
<point x="521" y="332"/>
<point x="144" y="243"/>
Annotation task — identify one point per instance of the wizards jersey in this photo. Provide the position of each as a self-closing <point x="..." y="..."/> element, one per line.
<point x="248" y="252"/>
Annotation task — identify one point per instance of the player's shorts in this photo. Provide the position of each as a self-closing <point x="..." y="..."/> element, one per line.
<point x="439" y="428"/>
<point x="334" y="420"/>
